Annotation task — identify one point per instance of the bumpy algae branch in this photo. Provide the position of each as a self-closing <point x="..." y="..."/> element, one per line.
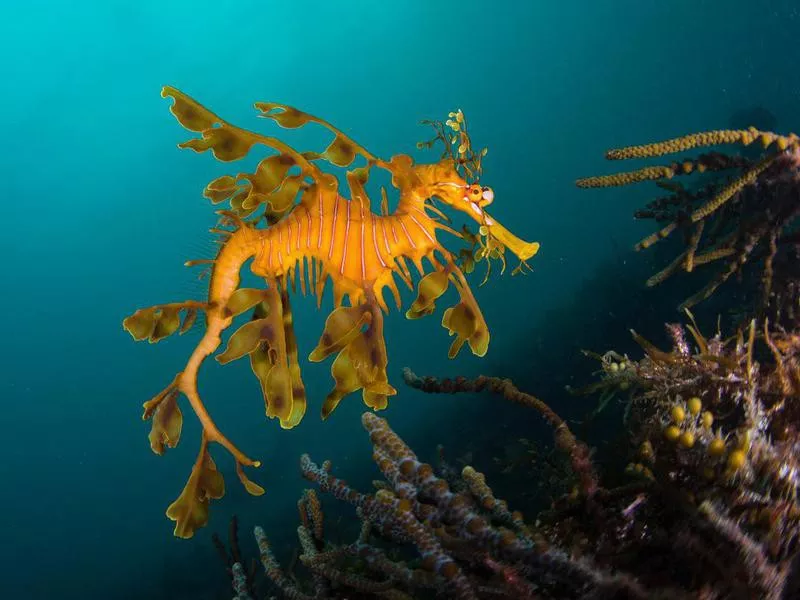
<point x="743" y="212"/>
<point x="463" y="541"/>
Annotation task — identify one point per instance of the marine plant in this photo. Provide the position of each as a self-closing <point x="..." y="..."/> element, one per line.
<point x="460" y="540"/>
<point x="744" y="210"/>
<point x="712" y="423"/>
<point x="289" y="217"/>
<point x="709" y="510"/>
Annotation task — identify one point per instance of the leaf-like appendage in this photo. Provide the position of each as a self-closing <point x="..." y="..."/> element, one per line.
<point x="237" y="202"/>
<point x="368" y="355"/>
<point x="299" y="402"/>
<point x="270" y="173"/>
<point x="341" y="327"/>
<point x="190" y="113"/>
<point x="340" y="152"/>
<point x="283" y="115"/>
<point x="278" y="391"/>
<point x="346" y="382"/>
<point x="141" y="323"/>
<point x="252" y="488"/>
<point x="466" y="323"/>
<point x="283" y="199"/>
<point x="190" y="510"/>
<point x="361" y="362"/>
<point x="245" y="340"/>
<point x="243" y="300"/>
<point x="226" y="143"/>
<point x="167" y="423"/>
<point x="221" y="189"/>
<point x="356" y="180"/>
<point x="460" y="321"/>
<point x="158" y="322"/>
<point x="430" y="287"/>
<point x="188" y="321"/>
<point x="168" y="322"/>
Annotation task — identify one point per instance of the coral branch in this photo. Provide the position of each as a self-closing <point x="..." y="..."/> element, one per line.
<point x="577" y="451"/>
<point x="735" y="219"/>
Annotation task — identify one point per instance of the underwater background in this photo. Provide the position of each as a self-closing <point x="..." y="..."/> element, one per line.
<point x="102" y="209"/>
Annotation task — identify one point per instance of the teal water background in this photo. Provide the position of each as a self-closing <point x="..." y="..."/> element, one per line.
<point x="101" y="210"/>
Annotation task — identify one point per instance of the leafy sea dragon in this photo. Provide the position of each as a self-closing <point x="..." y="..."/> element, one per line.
<point x="290" y="220"/>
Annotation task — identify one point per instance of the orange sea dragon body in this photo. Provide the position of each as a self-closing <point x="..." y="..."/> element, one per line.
<point x="315" y="233"/>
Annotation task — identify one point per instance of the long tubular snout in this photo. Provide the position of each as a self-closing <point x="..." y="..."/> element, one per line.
<point x="522" y="249"/>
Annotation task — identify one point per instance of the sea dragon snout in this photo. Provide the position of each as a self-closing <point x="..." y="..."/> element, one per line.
<point x="472" y="200"/>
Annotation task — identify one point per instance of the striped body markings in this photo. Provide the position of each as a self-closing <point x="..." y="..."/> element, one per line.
<point x="345" y="239"/>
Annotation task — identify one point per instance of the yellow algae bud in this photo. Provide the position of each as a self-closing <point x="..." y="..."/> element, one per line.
<point x="694" y="405"/>
<point x="736" y="460"/>
<point x="646" y="450"/>
<point x="613" y="367"/>
<point x="716" y="447"/>
<point x="672" y="433"/>
<point x="687" y="439"/>
<point x="624" y="385"/>
<point x="638" y="467"/>
<point x="678" y="414"/>
<point x="707" y="420"/>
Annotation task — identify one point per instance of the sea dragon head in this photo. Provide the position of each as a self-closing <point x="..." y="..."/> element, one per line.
<point x="472" y="200"/>
<point x="454" y="181"/>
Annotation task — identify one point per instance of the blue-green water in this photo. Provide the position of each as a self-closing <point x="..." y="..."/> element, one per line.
<point x="101" y="210"/>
